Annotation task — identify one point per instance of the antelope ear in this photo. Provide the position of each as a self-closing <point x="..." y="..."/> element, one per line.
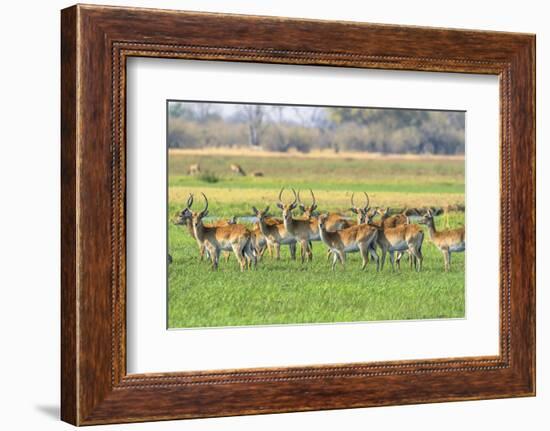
<point x="293" y="206"/>
<point x="314" y="207"/>
<point x="204" y="214"/>
<point x="353" y="210"/>
<point x="280" y="205"/>
<point x="266" y="209"/>
<point x="255" y="210"/>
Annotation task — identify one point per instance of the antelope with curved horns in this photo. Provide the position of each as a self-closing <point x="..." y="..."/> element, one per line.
<point x="303" y="231"/>
<point x="185" y="218"/>
<point x="447" y="241"/>
<point x="334" y="222"/>
<point x="361" y="212"/>
<point x="275" y="233"/>
<point x="356" y="238"/>
<point x="235" y="237"/>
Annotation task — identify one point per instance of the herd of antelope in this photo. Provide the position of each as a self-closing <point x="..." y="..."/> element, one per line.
<point x="395" y="235"/>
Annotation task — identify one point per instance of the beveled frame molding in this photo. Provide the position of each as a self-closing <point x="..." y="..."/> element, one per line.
<point x="96" y="41"/>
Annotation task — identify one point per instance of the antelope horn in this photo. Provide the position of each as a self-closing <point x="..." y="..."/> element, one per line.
<point x="368" y="200"/>
<point x="352" y="204"/>
<point x="312" y="197"/>
<point x="295" y="197"/>
<point x="281" y="195"/>
<point x="299" y="200"/>
<point x="206" y="201"/>
<point x="190" y="200"/>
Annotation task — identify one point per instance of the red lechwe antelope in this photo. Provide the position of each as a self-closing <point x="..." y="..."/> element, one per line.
<point x="236" y="169"/>
<point x="401" y="238"/>
<point x="448" y="240"/>
<point x="334" y="221"/>
<point x="185" y="218"/>
<point x="194" y="169"/>
<point x="387" y="220"/>
<point x="349" y="240"/>
<point x="303" y="231"/>
<point x="361" y="212"/>
<point x="275" y="234"/>
<point x="235" y="237"/>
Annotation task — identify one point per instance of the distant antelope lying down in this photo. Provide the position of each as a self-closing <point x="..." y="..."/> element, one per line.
<point x="448" y="240"/>
<point x="356" y="238"/>
<point x="235" y="237"/>
<point x="194" y="169"/>
<point x="236" y="169"/>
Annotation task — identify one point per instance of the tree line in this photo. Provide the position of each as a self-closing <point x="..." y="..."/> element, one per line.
<point x="282" y="128"/>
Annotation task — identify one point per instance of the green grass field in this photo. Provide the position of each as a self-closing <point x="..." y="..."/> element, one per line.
<point x="287" y="292"/>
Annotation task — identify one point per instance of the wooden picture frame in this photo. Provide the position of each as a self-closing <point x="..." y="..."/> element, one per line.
<point x="95" y="43"/>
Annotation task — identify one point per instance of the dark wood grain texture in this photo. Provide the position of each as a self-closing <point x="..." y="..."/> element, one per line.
<point x="95" y="42"/>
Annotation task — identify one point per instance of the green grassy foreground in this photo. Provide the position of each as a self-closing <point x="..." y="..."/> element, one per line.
<point x="287" y="292"/>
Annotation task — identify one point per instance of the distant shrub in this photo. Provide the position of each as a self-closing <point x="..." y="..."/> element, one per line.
<point x="208" y="177"/>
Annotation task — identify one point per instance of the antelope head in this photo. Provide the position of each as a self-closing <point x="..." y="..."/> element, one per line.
<point x="307" y="210"/>
<point x="384" y="213"/>
<point x="360" y="211"/>
<point x="289" y="207"/>
<point x="428" y="219"/>
<point x="322" y="220"/>
<point x="261" y="214"/>
<point x="185" y="215"/>
<point x="197" y="216"/>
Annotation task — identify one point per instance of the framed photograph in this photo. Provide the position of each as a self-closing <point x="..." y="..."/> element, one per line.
<point x="265" y="215"/>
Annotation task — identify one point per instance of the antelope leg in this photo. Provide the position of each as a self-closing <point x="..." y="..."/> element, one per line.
<point x="292" y="248"/>
<point x="335" y="257"/>
<point x="374" y="256"/>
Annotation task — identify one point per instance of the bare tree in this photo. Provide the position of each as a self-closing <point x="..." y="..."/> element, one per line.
<point x="254" y="115"/>
<point x="277" y="119"/>
<point x="205" y="111"/>
<point x="310" y="116"/>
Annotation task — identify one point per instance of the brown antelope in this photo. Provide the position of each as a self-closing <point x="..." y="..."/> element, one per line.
<point x="185" y="218"/>
<point x="235" y="237"/>
<point x="274" y="233"/>
<point x="194" y="169"/>
<point x="349" y="240"/>
<point x="258" y="240"/>
<point x="337" y="222"/>
<point x="303" y="231"/>
<point x="361" y="212"/>
<point x="388" y="220"/>
<point x="448" y="240"/>
<point x="236" y="169"/>
<point x="334" y="221"/>
<point x="404" y="237"/>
